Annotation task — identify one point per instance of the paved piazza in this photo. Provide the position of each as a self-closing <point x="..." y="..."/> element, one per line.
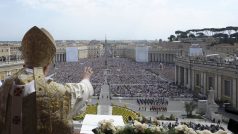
<point x="174" y="107"/>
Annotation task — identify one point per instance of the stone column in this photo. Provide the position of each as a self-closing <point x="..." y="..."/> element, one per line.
<point x="173" y="58"/>
<point x="234" y="92"/>
<point x="185" y="77"/>
<point x="193" y="80"/>
<point x="179" y="75"/>
<point x="219" y="84"/>
<point x="201" y="82"/>
<point x="158" y="57"/>
<point x="215" y="87"/>
<point x="154" y="57"/>
<point x="205" y="82"/>
<point x="64" y="57"/>
<point x="189" y="78"/>
<point x="176" y="75"/>
<point x="162" y="57"/>
<point x="166" y="58"/>
<point x="170" y="59"/>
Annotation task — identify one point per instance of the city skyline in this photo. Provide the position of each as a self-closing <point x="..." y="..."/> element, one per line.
<point x="119" y="20"/>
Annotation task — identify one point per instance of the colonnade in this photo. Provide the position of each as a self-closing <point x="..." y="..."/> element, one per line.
<point x="201" y="80"/>
<point x="161" y="57"/>
<point x="60" y="57"/>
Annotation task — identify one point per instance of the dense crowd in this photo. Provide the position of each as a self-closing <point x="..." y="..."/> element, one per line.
<point x="167" y="71"/>
<point x="125" y="77"/>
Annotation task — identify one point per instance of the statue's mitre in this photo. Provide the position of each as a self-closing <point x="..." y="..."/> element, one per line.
<point x="38" y="47"/>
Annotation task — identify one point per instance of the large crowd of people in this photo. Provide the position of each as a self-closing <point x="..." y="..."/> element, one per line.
<point x="125" y="77"/>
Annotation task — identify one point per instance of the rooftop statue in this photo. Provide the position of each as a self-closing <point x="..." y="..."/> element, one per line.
<point x="30" y="102"/>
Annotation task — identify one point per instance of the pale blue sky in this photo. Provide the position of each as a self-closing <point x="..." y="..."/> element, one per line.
<point x="119" y="19"/>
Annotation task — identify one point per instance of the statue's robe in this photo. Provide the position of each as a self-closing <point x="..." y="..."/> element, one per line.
<point x="44" y="107"/>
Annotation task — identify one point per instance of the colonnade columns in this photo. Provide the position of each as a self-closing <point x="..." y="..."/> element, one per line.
<point x="166" y="58"/>
<point x="168" y="61"/>
<point x="215" y="87"/>
<point x="202" y="84"/>
<point x="189" y="78"/>
<point x="234" y="93"/>
<point x="205" y="83"/>
<point x="176" y="74"/>
<point x="58" y="57"/>
<point x="162" y="57"/>
<point x="171" y="58"/>
<point x="185" y="77"/>
<point x="159" y="59"/>
<point x="193" y="80"/>
<point x="219" y="86"/>
<point x="156" y="57"/>
<point x="179" y="75"/>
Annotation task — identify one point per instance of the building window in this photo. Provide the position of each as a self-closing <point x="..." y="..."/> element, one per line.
<point x="227" y="88"/>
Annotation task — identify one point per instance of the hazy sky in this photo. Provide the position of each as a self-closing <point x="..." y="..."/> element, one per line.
<point x="118" y="19"/>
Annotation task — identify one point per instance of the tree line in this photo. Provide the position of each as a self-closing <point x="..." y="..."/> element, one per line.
<point x="224" y="35"/>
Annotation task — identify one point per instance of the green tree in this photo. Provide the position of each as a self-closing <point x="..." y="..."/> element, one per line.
<point x="172" y="117"/>
<point x="171" y="38"/>
<point x="191" y="35"/>
<point x="235" y="35"/>
<point x="189" y="108"/>
<point x="200" y="35"/>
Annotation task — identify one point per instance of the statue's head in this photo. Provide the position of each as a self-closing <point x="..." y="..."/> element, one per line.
<point x="38" y="47"/>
